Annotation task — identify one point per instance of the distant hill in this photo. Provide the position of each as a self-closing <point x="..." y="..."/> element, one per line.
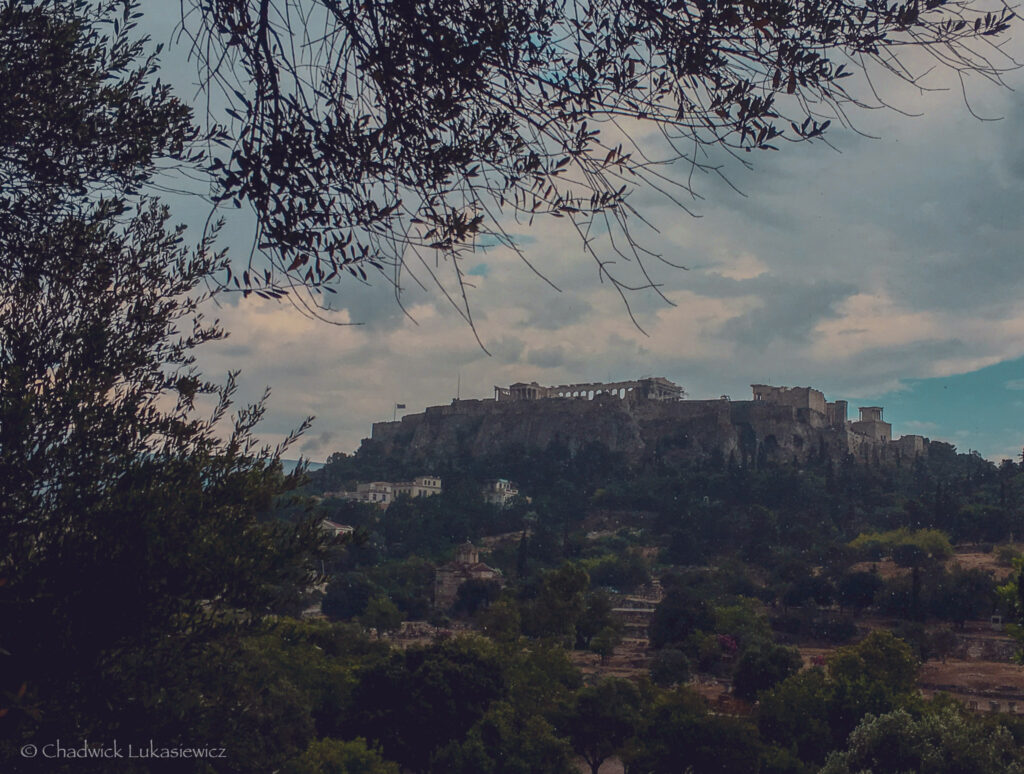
<point x="290" y="465"/>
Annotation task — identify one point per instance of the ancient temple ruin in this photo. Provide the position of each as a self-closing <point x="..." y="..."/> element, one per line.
<point x="650" y="388"/>
<point x="870" y="423"/>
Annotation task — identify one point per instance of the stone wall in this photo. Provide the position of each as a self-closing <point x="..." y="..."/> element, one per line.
<point x="797" y="397"/>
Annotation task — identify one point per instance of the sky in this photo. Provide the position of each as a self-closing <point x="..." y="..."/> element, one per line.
<point x="883" y="271"/>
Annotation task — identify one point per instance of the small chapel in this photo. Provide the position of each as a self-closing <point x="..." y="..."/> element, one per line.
<point x="466" y="566"/>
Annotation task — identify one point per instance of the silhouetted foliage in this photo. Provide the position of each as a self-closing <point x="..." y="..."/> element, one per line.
<point x="374" y="136"/>
<point x="603" y="717"/>
<point x="348" y="595"/>
<point x="138" y="540"/>
<point x="416" y="702"/>
<point x="678" y="732"/>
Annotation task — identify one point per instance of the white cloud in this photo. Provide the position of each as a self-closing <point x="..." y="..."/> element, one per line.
<point x="741" y="267"/>
<point x="896" y="259"/>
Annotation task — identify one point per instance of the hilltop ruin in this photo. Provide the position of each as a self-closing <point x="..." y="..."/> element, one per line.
<point x="646" y="417"/>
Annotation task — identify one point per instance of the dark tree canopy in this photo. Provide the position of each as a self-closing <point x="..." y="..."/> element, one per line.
<point x="603" y="717"/>
<point x="70" y="96"/>
<point x="133" y="528"/>
<point x="387" y="135"/>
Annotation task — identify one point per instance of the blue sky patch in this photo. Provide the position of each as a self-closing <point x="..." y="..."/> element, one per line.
<point x="979" y="410"/>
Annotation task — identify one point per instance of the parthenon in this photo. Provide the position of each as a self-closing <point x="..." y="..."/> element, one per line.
<point x="651" y="388"/>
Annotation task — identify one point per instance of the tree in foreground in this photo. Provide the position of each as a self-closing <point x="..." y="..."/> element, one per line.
<point x="604" y="716"/>
<point x="135" y="548"/>
<point x="507" y="741"/>
<point x="419" y="701"/>
<point x="813" y="712"/>
<point x="678" y="733"/>
<point x="332" y="756"/>
<point x="945" y="740"/>
<point x="389" y="136"/>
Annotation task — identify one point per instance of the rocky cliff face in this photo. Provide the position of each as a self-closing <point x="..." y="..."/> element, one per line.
<point x="679" y="431"/>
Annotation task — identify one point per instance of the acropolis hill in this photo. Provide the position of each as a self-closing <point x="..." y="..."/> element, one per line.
<point x="645" y="418"/>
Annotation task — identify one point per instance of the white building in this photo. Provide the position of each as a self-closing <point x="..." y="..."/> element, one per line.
<point x="499" y="491"/>
<point x="336" y="529"/>
<point x="378" y="492"/>
<point x="383" y="493"/>
<point x="421" y="486"/>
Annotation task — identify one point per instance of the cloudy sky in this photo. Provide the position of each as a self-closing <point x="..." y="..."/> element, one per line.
<point x="888" y="273"/>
